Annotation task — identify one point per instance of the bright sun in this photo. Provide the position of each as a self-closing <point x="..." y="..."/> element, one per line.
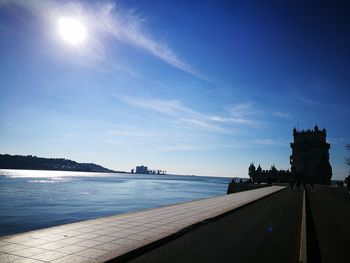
<point x="72" y="30"/>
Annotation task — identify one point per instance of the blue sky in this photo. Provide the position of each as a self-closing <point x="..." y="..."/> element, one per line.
<point x="200" y="88"/>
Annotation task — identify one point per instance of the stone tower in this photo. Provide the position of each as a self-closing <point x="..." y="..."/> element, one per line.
<point x="310" y="156"/>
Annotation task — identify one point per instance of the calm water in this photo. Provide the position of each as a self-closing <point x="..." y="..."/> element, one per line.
<point x="35" y="199"/>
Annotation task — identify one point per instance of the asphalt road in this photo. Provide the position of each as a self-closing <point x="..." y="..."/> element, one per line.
<point x="330" y="209"/>
<point x="267" y="230"/>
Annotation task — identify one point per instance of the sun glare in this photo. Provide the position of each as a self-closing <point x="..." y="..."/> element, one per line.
<point x="72" y="30"/>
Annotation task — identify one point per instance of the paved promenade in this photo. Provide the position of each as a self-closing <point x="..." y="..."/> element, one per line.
<point x="265" y="231"/>
<point x="329" y="230"/>
<point x="106" y="238"/>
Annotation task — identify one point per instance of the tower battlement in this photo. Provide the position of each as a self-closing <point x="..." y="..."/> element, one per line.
<point x="314" y="136"/>
<point x="315" y="131"/>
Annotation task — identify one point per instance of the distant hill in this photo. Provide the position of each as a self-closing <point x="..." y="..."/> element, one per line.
<point x="39" y="163"/>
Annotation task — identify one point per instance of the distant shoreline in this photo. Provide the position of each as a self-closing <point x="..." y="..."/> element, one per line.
<point x="52" y="170"/>
<point x="30" y="162"/>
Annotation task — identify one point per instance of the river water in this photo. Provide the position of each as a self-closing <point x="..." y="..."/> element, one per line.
<point x="31" y="199"/>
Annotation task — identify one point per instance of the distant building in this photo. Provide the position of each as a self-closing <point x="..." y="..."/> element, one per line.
<point x="142" y="170"/>
<point x="310" y="156"/>
<point x="273" y="175"/>
<point x="309" y="161"/>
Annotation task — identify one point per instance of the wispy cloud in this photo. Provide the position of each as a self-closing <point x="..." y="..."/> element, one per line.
<point x="202" y="123"/>
<point x="242" y="113"/>
<point x="128" y="26"/>
<point x="335" y="140"/>
<point x="105" y="17"/>
<point x="310" y="102"/>
<point x="201" y="146"/>
<point x="130" y="133"/>
<point x="170" y="107"/>
<point x="237" y="120"/>
<point x="169" y="140"/>
<point x="181" y="115"/>
<point x="271" y="142"/>
<point x="243" y="110"/>
<point x="282" y="115"/>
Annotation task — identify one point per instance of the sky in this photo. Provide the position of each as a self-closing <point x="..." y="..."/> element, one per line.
<point x="189" y="87"/>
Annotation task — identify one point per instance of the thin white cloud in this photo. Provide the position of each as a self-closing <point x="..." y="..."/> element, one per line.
<point x="181" y="135"/>
<point x="170" y="107"/>
<point x="236" y="120"/>
<point x="130" y="133"/>
<point x="128" y="27"/>
<point x="271" y="142"/>
<point x="180" y="147"/>
<point x="185" y="117"/>
<point x="181" y="115"/>
<point x="282" y="115"/>
<point x="200" y="147"/>
<point x="168" y="140"/>
<point x="242" y="111"/>
<point x="310" y="102"/>
<point x="335" y="140"/>
<point x="203" y="124"/>
<point x="105" y="17"/>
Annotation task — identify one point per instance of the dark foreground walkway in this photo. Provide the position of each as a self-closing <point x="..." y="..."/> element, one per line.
<point x="330" y="211"/>
<point x="265" y="231"/>
<point x="107" y="238"/>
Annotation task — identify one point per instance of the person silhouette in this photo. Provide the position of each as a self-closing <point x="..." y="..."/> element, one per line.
<point x="291" y="185"/>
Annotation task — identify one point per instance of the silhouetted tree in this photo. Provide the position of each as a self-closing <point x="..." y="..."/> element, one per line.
<point x="347" y="160"/>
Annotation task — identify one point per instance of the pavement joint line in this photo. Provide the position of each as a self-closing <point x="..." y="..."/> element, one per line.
<point x="303" y="245"/>
<point x="189" y="215"/>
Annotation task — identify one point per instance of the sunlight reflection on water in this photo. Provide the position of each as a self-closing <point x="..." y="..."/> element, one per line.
<point x="33" y="199"/>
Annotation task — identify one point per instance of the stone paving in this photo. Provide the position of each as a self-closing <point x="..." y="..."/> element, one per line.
<point x="106" y="238"/>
